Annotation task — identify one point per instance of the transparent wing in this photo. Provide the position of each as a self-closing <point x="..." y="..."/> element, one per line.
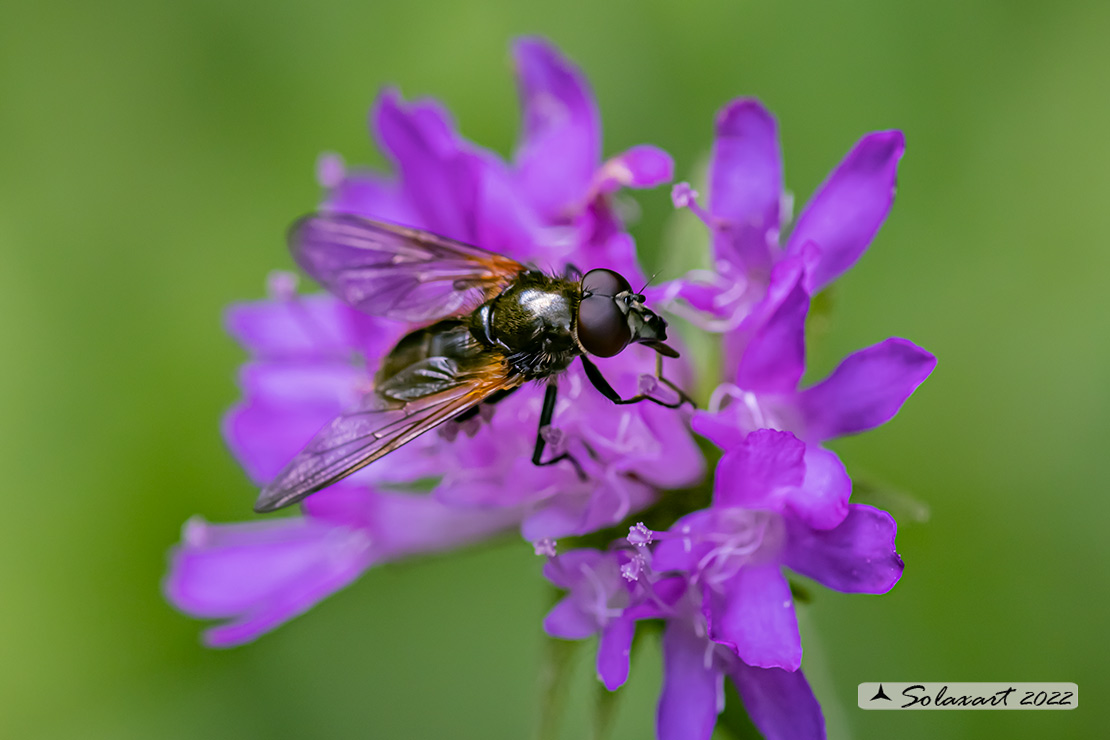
<point x="397" y="272"/>
<point x="375" y="428"/>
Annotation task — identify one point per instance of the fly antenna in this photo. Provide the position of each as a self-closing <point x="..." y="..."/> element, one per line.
<point x="649" y="282"/>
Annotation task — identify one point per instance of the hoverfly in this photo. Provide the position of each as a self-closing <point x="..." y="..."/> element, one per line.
<point x="491" y="325"/>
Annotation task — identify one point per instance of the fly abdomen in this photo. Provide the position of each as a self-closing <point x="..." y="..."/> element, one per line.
<point x="449" y="341"/>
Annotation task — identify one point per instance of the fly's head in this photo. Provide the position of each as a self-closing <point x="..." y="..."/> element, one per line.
<point x="611" y="316"/>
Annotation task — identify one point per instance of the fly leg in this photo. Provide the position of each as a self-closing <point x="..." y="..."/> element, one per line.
<point x="545" y="422"/>
<point x="598" y="380"/>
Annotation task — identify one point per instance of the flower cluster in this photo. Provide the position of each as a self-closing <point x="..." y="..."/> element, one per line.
<point x="713" y="576"/>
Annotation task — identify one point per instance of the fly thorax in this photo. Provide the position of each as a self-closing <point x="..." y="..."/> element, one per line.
<point x="532" y="322"/>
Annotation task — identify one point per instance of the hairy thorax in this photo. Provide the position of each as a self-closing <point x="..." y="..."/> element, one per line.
<point x="532" y="321"/>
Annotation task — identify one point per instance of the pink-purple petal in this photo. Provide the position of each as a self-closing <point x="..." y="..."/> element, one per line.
<point x="264" y="439"/>
<point x="602" y="504"/>
<point x="683" y="465"/>
<point x="780" y="703"/>
<point x="688" y="702"/>
<point x="403" y="524"/>
<point x="846" y="212"/>
<point x="866" y="390"/>
<point x="301" y="328"/>
<point x="561" y="516"/>
<point x="821" y="501"/>
<point x="259" y="575"/>
<point x="506" y="223"/>
<point x="688" y="543"/>
<point x="617" y="498"/>
<point x="561" y="142"/>
<point x="614" y="648"/>
<point x="722" y="428"/>
<point x="858" y="556"/>
<point x="568" y="569"/>
<point x="757" y="618"/>
<point x="757" y="473"/>
<point x="504" y="482"/>
<point x="296" y="384"/>
<point x="780" y="300"/>
<point x="643" y="166"/>
<point x="438" y="177"/>
<point x="568" y="621"/>
<point x="371" y="195"/>
<point x="775" y="357"/>
<point x="285" y="405"/>
<point x="745" y="185"/>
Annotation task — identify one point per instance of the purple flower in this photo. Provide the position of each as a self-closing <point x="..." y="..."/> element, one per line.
<point x="312" y="357"/>
<point x="748" y="212"/>
<point x="865" y="391"/>
<point x="716" y="579"/>
<point x="780" y="501"/>
<point x="603" y="600"/>
<point x="771" y="509"/>
<point x="600" y="601"/>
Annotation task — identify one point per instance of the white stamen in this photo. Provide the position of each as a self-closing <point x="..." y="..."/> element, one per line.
<point x="632" y="569"/>
<point x="786" y="208"/>
<point x="752" y="403"/>
<point x="330" y="170"/>
<point x="720" y="393"/>
<point x="682" y="195"/>
<point x="281" y="285"/>
<point x="639" y="535"/>
<point x="195" y="532"/>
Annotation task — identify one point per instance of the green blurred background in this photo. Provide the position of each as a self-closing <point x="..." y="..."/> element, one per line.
<point x="153" y="153"/>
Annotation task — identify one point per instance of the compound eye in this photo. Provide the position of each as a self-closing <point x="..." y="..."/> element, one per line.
<point x="602" y="327"/>
<point x="604" y="282"/>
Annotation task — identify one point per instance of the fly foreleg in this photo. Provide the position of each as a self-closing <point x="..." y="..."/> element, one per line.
<point x="598" y="380"/>
<point x="546" y="414"/>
